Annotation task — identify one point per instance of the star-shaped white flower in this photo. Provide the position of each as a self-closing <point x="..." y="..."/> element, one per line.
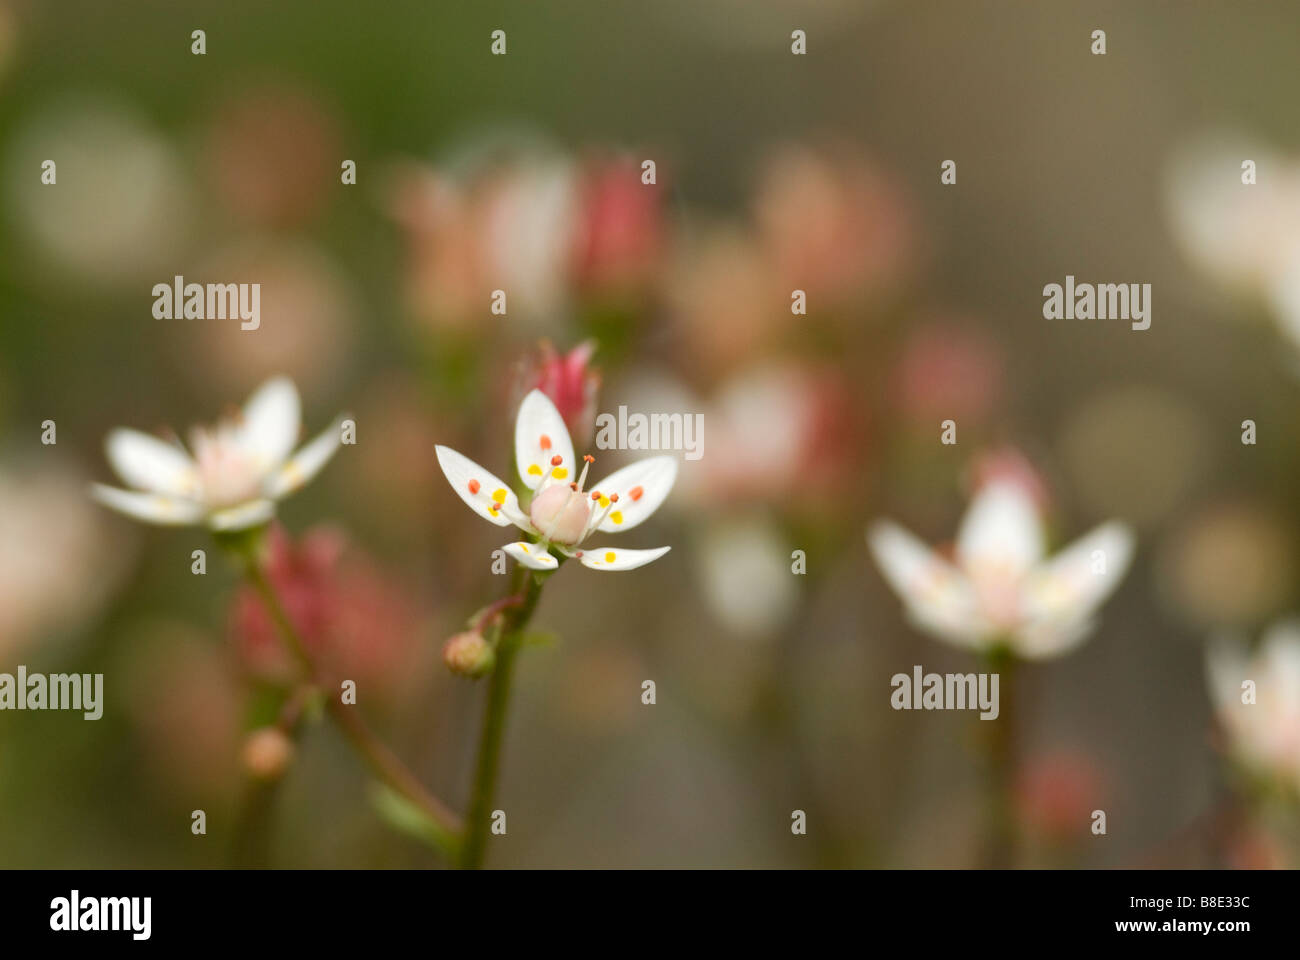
<point x="560" y="514"/>
<point x="1000" y="589"/>
<point x="1263" y="733"/>
<point x="237" y="472"/>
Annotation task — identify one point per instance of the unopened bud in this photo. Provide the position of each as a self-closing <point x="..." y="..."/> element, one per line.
<point x="469" y="654"/>
<point x="267" y="752"/>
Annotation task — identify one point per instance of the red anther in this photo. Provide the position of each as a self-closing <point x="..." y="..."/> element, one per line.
<point x="589" y="458"/>
<point x="474" y="486"/>
<point x="578" y="554"/>
<point x="556" y="460"/>
<point x="544" y="442"/>
<point x="573" y="486"/>
<point x="595" y="494"/>
<point x="613" y="498"/>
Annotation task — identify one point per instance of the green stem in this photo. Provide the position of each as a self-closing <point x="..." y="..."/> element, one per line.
<point x="477" y="820"/>
<point x="251" y="845"/>
<point x="256" y="576"/>
<point x="383" y="763"/>
<point x="1000" y="849"/>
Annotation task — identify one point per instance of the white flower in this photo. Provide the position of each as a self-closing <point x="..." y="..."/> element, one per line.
<point x="1000" y="589"/>
<point x="238" y="469"/>
<point x="560" y="514"/>
<point x="1264" y="734"/>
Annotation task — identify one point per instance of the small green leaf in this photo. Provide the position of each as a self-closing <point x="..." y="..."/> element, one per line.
<point x="405" y="817"/>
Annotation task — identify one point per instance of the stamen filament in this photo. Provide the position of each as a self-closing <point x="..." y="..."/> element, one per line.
<point x="591" y="526"/>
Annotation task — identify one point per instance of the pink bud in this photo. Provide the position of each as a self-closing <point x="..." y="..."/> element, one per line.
<point x="469" y="654"/>
<point x="267" y="752"/>
<point x="570" y="382"/>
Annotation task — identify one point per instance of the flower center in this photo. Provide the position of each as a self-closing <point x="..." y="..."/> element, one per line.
<point x="228" y="475"/>
<point x="561" y="513"/>
<point x="998" y="588"/>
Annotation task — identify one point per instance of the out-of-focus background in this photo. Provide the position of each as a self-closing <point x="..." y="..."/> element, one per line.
<point x="774" y="172"/>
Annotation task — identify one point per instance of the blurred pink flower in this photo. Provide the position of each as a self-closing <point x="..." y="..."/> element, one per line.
<point x="1055" y="795"/>
<point x="273" y="155"/>
<point x="620" y="234"/>
<point x="948" y="371"/>
<point x="445" y="270"/>
<point x="353" y="620"/>
<point x="503" y="224"/>
<point x="776" y="430"/>
<point x="544" y="228"/>
<point x="833" y="224"/>
<point x="724" y="301"/>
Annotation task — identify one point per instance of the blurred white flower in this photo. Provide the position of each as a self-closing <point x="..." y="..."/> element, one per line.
<point x="1000" y="589"/>
<point x="238" y="470"/>
<point x="499" y="214"/>
<point x="1245" y="236"/>
<point x="122" y="205"/>
<point x="560" y="514"/>
<point x="745" y="576"/>
<point x="1264" y="735"/>
<point x="56" y="561"/>
<point x="1239" y="233"/>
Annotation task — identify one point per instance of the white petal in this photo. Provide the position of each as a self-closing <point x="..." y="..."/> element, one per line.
<point x="1061" y="596"/>
<point x="1044" y="639"/>
<point x="485" y="493"/>
<point x="305" y="464"/>
<point x="531" y="555"/>
<point x="1280" y="654"/>
<point x="939" y="598"/>
<point x="540" y="435"/>
<point x="251" y="514"/>
<point x="641" y="488"/>
<point x="1001" y="534"/>
<point x="611" y="558"/>
<point x="272" y="419"/>
<point x="148" y="463"/>
<point x="149" y="507"/>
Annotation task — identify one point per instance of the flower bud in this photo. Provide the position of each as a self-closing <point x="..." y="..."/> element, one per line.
<point x="571" y="383"/>
<point x="267" y="752"/>
<point x="469" y="654"/>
